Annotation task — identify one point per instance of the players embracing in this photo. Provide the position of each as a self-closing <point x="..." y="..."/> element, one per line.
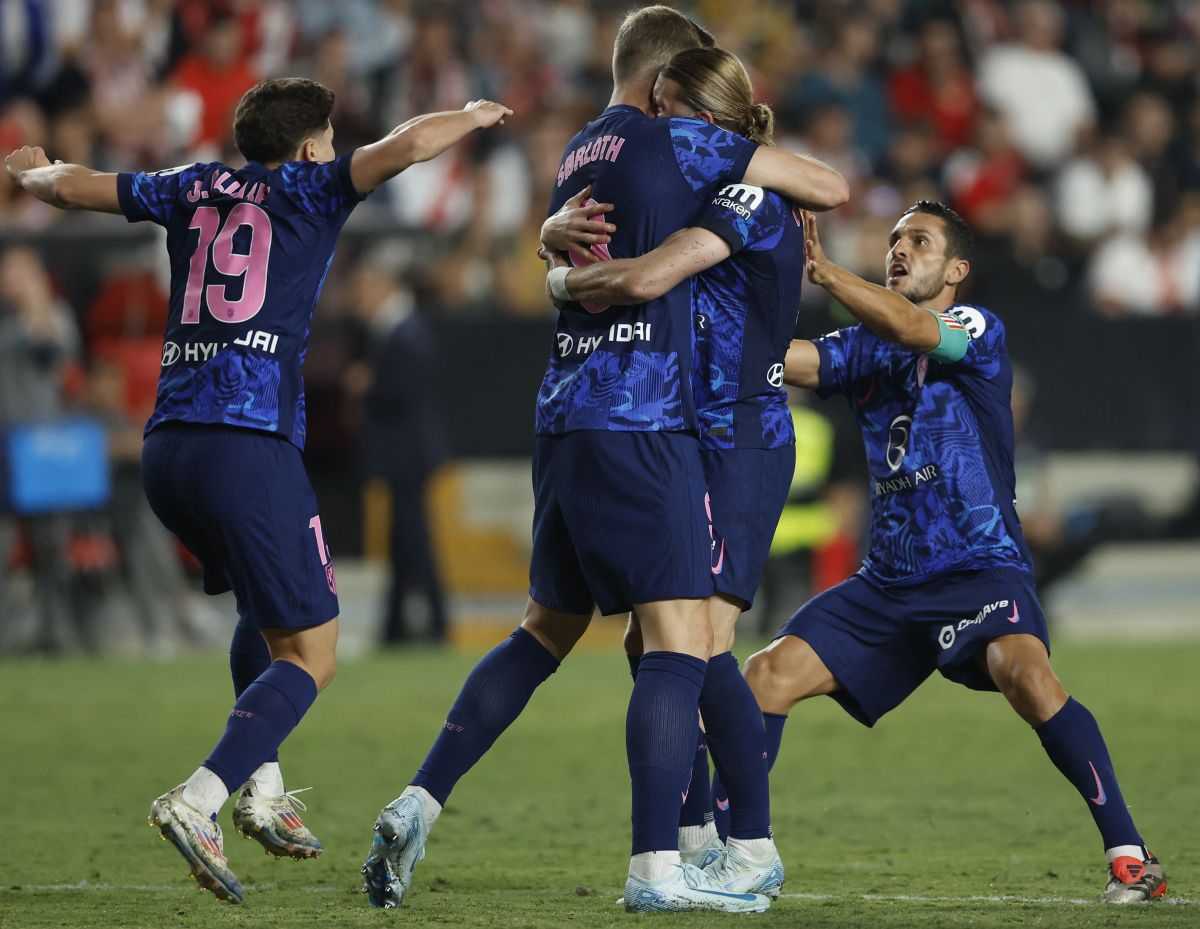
<point x="621" y="518"/>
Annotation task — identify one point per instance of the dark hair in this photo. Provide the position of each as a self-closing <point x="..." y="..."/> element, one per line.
<point x="714" y="79"/>
<point x="275" y="116"/>
<point x="649" y="37"/>
<point x="960" y="241"/>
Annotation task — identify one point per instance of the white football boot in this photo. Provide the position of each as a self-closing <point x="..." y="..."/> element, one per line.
<point x="274" y="823"/>
<point x="687" y="888"/>
<point x="737" y="872"/>
<point x="199" y="841"/>
<point x="400" y="836"/>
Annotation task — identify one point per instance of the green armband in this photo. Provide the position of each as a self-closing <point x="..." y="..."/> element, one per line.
<point x="952" y="341"/>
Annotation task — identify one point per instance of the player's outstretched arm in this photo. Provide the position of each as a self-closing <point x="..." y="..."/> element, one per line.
<point x="68" y="187"/>
<point x="886" y="313"/>
<point x="635" y="280"/>
<point x="802" y="365"/>
<point x="420" y="139"/>
<point x="806" y="181"/>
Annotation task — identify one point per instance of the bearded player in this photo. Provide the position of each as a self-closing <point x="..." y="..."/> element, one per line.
<point x="249" y="247"/>
<point x="947" y="583"/>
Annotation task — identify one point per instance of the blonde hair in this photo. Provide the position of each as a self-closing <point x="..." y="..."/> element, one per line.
<point x="715" y="80"/>
<point x="648" y="38"/>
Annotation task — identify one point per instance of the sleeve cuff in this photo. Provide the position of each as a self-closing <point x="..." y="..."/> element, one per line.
<point x="346" y="181"/>
<point x="130" y="205"/>
<point x="723" y="231"/>
<point x="827" y="384"/>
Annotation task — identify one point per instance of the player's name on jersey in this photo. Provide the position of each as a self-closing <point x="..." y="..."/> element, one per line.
<point x="617" y="332"/>
<point x="907" y="481"/>
<point x="223" y="183"/>
<point x="194" y="352"/>
<point x="607" y="147"/>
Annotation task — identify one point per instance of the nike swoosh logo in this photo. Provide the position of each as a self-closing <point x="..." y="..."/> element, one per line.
<point x="1100" y="799"/>
<point x="1016" y="615"/>
<point x="862" y="401"/>
<point x="717" y="893"/>
<point x="722" y="805"/>
<point x="716" y="569"/>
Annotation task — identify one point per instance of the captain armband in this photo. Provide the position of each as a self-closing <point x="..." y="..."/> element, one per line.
<point x="952" y="341"/>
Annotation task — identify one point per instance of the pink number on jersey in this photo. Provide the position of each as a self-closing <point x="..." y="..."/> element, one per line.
<point x="315" y="525"/>
<point x="251" y="267"/>
<point x="207" y="219"/>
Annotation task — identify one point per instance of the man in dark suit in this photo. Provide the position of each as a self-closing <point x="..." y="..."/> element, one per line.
<point x="401" y="437"/>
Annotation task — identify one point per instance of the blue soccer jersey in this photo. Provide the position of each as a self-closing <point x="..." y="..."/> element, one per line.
<point x="249" y="250"/>
<point x="745" y="315"/>
<point x="628" y="368"/>
<point x="939" y="442"/>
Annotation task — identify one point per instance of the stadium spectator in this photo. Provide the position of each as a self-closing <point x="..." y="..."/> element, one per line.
<point x="401" y="440"/>
<point x="1153" y="274"/>
<point x="845" y="78"/>
<point x="38" y="339"/>
<point x="217" y="73"/>
<point x="1104" y="191"/>
<point x="1043" y="94"/>
<point x="937" y="89"/>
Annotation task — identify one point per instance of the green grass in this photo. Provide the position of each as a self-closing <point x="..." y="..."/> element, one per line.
<point x="949" y="798"/>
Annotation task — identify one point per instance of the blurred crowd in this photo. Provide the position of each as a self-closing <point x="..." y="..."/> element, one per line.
<point x="1067" y="133"/>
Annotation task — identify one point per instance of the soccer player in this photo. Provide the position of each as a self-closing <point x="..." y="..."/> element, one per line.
<point x="619" y="517"/>
<point x="250" y="247"/>
<point x="947" y="582"/>
<point x="746" y="249"/>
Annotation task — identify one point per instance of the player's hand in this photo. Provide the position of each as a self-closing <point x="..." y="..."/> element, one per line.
<point x="815" y="263"/>
<point x="577" y="226"/>
<point x="24" y="159"/>
<point x="488" y="113"/>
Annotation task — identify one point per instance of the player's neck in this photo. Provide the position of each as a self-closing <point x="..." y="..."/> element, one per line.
<point x="636" y="94"/>
<point x="942" y="302"/>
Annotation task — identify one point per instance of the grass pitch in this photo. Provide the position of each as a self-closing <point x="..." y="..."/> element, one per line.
<point x="947" y="814"/>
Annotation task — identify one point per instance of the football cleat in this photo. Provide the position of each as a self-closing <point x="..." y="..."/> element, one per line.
<point x="400" y="836"/>
<point x="737" y="873"/>
<point x="704" y="855"/>
<point x="1134" y="881"/>
<point x="685" y="889"/>
<point x="199" y="840"/>
<point x="273" y="823"/>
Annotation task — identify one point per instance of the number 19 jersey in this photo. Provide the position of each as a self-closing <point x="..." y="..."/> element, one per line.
<point x="249" y="250"/>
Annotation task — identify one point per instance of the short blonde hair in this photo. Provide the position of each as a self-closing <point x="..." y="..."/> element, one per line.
<point x="648" y="37"/>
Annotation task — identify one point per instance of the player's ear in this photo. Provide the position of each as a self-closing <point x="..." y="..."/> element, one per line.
<point x="957" y="270"/>
<point x="706" y="116"/>
<point x="308" y="150"/>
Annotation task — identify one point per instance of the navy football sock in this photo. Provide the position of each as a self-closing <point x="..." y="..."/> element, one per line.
<point x="1073" y="741"/>
<point x="697" y="806"/>
<point x="720" y="807"/>
<point x="733" y="724"/>
<point x="248" y="656"/>
<point x="493" y="695"/>
<point x="660" y="738"/>
<point x="261" y="719"/>
<point x="773" y="725"/>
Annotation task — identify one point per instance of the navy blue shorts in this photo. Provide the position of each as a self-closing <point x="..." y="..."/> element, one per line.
<point x="619" y="518"/>
<point x="881" y="643"/>
<point x="748" y="488"/>
<point x="239" y="500"/>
